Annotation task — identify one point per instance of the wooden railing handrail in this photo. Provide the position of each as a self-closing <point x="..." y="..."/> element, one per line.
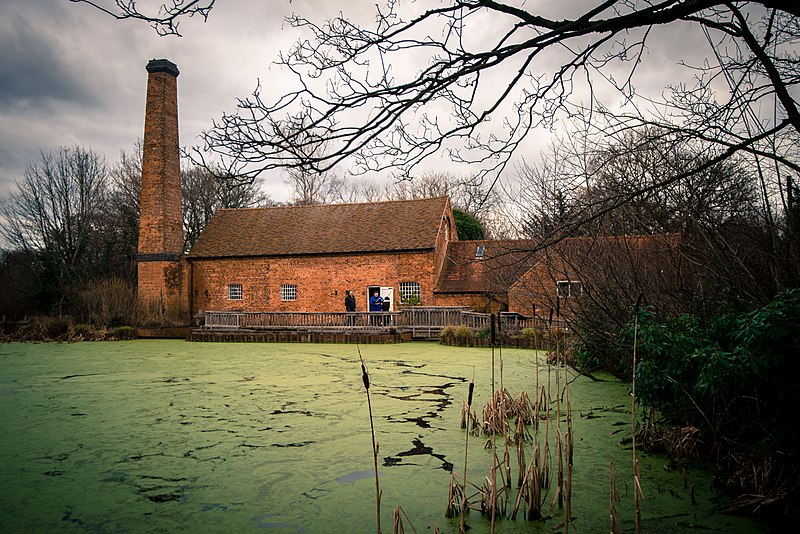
<point x="430" y="319"/>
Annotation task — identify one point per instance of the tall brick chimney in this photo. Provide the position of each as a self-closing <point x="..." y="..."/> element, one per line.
<point x="162" y="280"/>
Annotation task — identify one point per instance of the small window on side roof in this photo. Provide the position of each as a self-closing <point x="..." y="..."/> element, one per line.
<point x="480" y="251"/>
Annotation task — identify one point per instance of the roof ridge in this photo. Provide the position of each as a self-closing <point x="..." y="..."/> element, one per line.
<point x="336" y="204"/>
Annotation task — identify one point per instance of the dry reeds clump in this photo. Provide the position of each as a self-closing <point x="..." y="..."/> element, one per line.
<point x="109" y="302"/>
<point x="470" y="417"/>
<point x="502" y="407"/>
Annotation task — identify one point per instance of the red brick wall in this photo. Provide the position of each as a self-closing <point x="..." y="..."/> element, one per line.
<point x="321" y="280"/>
<point x="535" y="292"/>
<point x="161" y="218"/>
<point x="163" y="289"/>
<point x="447" y="232"/>
<point x="162" y="276"/>
<point x="475" y="302"/>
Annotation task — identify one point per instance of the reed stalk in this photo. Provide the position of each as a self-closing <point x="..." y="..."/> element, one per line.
<point x="614" y="526"/>
<point x="568" y="452"/>
<point x="464" y="502"/>
<point x="398" y="526"/>
<point x="637" y="486"/>
<point x="375" y="447"/>
<point x="498" y="416"/>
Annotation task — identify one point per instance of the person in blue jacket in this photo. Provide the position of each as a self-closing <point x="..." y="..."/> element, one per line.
<point x="375" y="302"/>
<point x="375" y="305"/>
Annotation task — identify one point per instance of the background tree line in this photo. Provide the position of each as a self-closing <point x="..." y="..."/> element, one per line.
<point x="72" y="222"/>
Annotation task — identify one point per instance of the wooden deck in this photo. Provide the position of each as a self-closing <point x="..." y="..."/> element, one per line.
<point x="361" y="327"/>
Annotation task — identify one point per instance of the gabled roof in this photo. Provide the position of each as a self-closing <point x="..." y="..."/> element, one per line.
<point x="404" y="225"/>
<point x="501" y="264"/>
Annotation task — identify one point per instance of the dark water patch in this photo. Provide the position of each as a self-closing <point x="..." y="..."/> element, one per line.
<point x="78" y="414"/>
<point x="53" y="473"/>
<point x="165" y="497"/>
<point x="459" y="379"/>
<point x="419" y="421"/>
<point x="78" y="376"/>
<point x="298" y="444"/>
<point x="315" y="493"/>
<point x="401" y="363"/>
<point x="173" y="380"/>
<point x="64" y="455"/>
<point x="165" y="479"/>
<point x="137" y="457"/>
<point x="418" y="449"/>
<point x="356" y="475"/>
<point x="298" y="412"/>
<point x="160" y="489"/>
<point x="413" y="396"/>
<point x="226" y="430"/>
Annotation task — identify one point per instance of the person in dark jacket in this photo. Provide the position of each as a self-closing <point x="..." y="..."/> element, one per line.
<point x="386" y="306"/>
<point x="350" y="302"/>
<point x="350" y="306"/>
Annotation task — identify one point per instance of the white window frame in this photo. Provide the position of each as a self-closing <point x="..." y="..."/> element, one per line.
<point x="235" y="292"/>
<point x="288" y="292"/>
<point x="569" y="288"/>
<point x="480" y="251"/>
<point x="409" y="291"/>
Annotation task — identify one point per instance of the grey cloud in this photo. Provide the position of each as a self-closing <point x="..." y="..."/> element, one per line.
<point x="34" y="74"/>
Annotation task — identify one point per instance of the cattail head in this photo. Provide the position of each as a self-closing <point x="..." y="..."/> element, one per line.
<point x="469" y="397"/>
<point x="364" y="376"/>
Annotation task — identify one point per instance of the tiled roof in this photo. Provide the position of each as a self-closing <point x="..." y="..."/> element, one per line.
<point x="502" y="263"/>
<point x="322" y="229"/>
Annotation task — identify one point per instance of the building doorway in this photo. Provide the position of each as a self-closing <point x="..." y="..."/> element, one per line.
<point x="386" y="293"/>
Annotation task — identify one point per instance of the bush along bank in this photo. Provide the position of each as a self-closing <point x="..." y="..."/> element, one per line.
<point x="529" y="338"/>
<point x="724" y="392"/>
<point x="61" y="329"/>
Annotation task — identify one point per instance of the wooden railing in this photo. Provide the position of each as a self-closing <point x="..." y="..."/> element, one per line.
<point x="421" y="321"/>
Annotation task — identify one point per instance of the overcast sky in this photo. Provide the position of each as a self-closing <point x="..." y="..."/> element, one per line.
<point x="72" y="75"/>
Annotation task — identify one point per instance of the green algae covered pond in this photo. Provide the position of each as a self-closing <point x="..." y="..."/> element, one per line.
<point x="171" y="436"/>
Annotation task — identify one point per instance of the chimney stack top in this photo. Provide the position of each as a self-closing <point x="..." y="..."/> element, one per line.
<point x="163" y="65"/>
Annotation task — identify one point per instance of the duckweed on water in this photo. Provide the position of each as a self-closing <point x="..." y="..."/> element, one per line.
<point x="155" y="435"/>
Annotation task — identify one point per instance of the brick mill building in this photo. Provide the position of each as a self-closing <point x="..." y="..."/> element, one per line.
<point x="304" y="258"/>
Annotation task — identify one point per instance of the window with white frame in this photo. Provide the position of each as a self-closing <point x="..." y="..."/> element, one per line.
<point x="288" y="292"/>
<point x="480" y="251"/>
<point x="410" y="292"/>
<point x="234" y="291"/>
<point x="569" y="288"/>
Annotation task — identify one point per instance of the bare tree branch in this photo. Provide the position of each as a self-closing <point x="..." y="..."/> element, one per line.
<point x="164" y="21"/>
